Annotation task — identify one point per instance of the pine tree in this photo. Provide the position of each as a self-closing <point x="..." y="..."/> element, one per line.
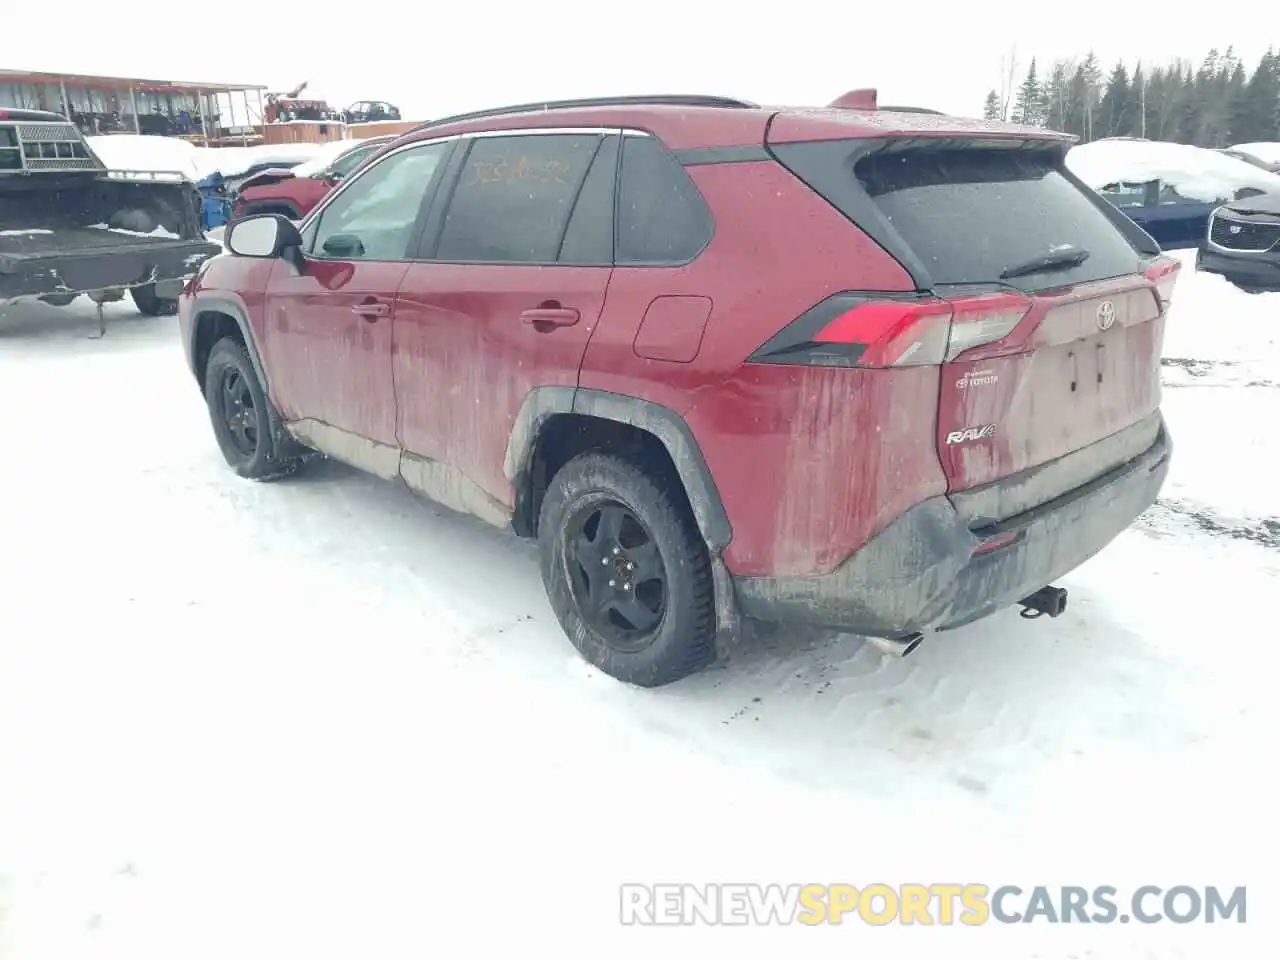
<point x="1215" y="103"/>
<point x="1055" y="108"/>
<point x="1113" y="111"/>
<point x="1026" y="105"/>
<point x="991" y="109"/>
<point x="1254" y="119"/>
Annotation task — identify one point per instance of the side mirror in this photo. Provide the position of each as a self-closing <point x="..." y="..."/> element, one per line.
<point x="344" y="246"/>
<point x="264" y="236"/>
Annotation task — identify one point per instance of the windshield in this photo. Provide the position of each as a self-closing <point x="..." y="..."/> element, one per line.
<point x="324" y="158"/>
<point x="348" y="162"/>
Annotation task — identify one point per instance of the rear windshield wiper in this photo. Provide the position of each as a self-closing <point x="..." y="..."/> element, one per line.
<point x="1059" y="259"/>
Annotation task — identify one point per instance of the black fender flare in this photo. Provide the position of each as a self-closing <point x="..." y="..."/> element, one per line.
<point x="233" y="307"/>
<point x="669" y="427"/>
<point x="253" y="208"/>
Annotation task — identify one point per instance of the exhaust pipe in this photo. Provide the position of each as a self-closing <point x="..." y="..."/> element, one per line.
<point x="897" y="646"/>
<point x="1047" y="601"/>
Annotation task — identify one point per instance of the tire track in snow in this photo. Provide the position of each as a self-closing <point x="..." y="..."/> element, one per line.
<point x="1166" y="513"/>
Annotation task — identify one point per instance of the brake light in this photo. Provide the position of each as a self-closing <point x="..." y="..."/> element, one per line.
<point x="1164" y="272"/>
<point x="862" y="330"/>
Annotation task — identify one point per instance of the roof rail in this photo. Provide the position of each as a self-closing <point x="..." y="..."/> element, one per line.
<point x="936" y="113"/>
<point x="661" y="99"/>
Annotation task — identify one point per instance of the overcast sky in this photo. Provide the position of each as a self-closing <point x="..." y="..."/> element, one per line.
<point x="433" y="60"/>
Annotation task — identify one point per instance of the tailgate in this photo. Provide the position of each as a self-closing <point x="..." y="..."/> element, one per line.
<point x="1082" y="365"/>
<point x="80" y="260"/>
<point x="1056" y="324"/>
<point x="24" y="246"/>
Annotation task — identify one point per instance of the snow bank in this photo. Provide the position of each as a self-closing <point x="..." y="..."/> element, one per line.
<point x="1196" y="174"/>
<point x="127" y="151"/>
<point x="1266" y="152"/>
<point x="230" y="161"/>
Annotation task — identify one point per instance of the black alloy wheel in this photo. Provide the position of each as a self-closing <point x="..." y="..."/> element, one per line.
<point x="619" y="579"/>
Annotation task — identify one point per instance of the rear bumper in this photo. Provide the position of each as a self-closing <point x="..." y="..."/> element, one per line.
<point x="920" y="573"/>
<point x="127" y="265"/>
<point x="1261" y="269"/>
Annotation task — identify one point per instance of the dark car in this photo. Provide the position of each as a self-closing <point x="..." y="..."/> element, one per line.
<point x="371" y="111"/>
<point x="719" y="360"/>
<point x="1243" y="243"/>
<point x="1174" y="221"/>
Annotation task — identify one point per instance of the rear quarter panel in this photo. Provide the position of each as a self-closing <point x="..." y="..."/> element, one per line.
<point x="809" y="462"/>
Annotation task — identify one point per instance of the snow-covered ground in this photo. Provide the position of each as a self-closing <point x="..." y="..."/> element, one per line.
<point x="1195" y="173"/>
<point x="321" y="718"/>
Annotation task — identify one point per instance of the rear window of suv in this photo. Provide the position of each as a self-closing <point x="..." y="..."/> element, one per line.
<point x="970" y="214"/>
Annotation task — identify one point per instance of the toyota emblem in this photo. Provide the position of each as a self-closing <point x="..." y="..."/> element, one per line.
<point x="1106" y="315"/>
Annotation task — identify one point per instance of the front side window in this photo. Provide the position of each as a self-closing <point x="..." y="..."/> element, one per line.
<point x="374" y="217"/>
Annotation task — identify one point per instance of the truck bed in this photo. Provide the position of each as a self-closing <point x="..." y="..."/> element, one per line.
<point x="68" y="235"/>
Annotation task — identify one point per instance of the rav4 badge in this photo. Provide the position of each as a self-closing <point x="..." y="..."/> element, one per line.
<point x="971" y="433"/>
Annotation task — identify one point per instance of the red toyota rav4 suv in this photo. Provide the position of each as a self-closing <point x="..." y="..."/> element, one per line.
<point x="880" y="372"/>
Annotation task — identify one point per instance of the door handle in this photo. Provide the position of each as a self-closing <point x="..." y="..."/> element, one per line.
<point x="372" y="310"/>
<point x="550" y="317"/>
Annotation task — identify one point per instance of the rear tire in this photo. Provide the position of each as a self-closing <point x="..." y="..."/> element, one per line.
<point x="243" y="421"/>
<point x="151" y="305"/>
<point x="627" y="572"/>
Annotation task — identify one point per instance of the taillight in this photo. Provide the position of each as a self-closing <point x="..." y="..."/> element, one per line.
<point x="980" y="320"/>
<point x="1163" y="272"/>
<point x="860" y="330"/>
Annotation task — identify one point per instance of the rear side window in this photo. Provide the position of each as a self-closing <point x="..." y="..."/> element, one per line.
<point x="971" y="215"/>
<point x="662" y="219"/>
<point x="514" y="198"/>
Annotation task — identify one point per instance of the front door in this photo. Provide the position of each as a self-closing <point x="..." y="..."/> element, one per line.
<point x="504" y="296"/>
<point x="329" y="324"/>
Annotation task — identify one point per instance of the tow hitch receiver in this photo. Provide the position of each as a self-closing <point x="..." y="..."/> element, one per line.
<point x="1049" y="601"/>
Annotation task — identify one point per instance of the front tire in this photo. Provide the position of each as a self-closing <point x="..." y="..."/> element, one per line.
<point x="627" y="572"/>
<point x="241" y="415"/>
<point x="151" y="305"/>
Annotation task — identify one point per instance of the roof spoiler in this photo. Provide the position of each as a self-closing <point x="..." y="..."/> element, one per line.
<point x="863" y="99"/>
<point x="868" y="99"/>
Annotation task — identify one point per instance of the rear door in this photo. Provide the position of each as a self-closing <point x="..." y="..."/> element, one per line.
<point x="508" y="287"/>
<point x="1055" y="333"/>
